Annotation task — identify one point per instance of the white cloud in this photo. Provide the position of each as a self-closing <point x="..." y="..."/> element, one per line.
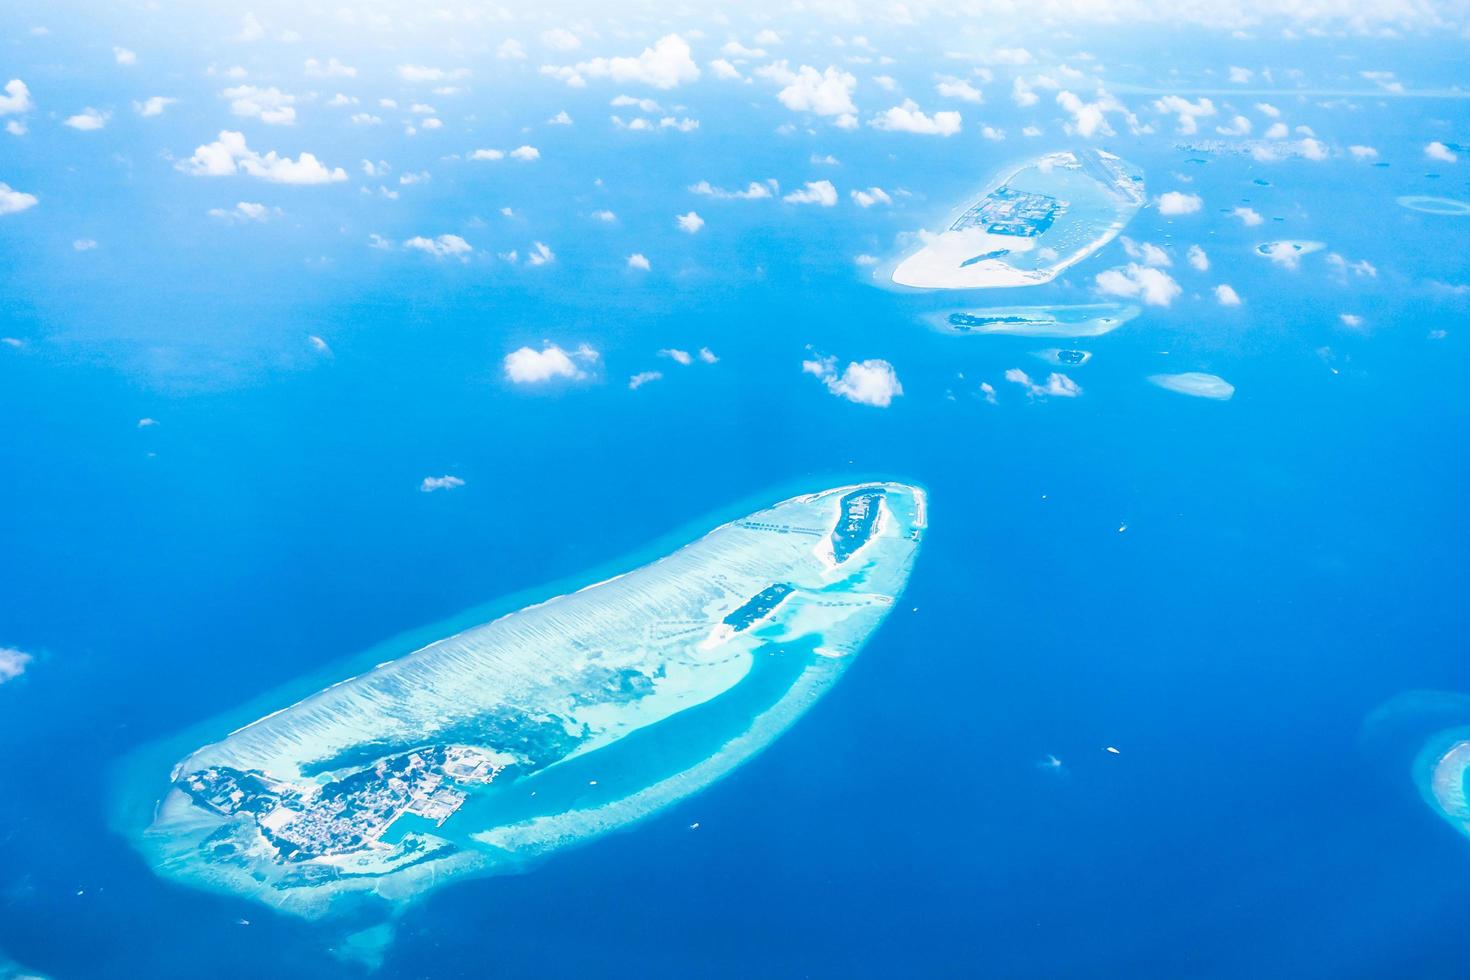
<point x="815" y="192"/>
<point x="1188" y="113"/>
<point x="269" y="105"/>
<point x="603" y="214"/>
<point x="708" y="356"/>
<point x="540" y="254"/>
<point x="1154" y="286"/>
<point x="561" y="39"/>
<point x="1196" y="384"/>
<point x="1288" y="254"/>
<point x="87" y="120"/>
<point x="425" y="73"/>
<point x="665" y="65"/>
<point x="12" y="663"/>
<point x="723" y="69"/>
<point x="642" y="378"/>
<point x="754" y="191"/>
<point x="1277" y="131"/>
<point x="824" y="93"/>
<point x="229" y="155"/>
<point x="870" y="197"/>
<point x="1361" y="152"/>
<point x="1226" y="295"/>
<point x="639" y="261"/>
<point x="908" y="118"/>
<point x="13" y="201"/>
<point x="1343" y="266"/>
<point x="441" y="247"/>
<point x="525" y="154"/>
<point x="153" y="106"/>
<point x="1089" y="119"/>
<point x="1249" y="217"/>
<point x="1057" y="385"/>
<point x="560" y="119"/>
<point x="84" y="244"/>
<point x="1240" y="76"/>
<point x="446" y="482"/>
<point x="1177" y="202"/>
<point x="1438" y="151"/>
<point x="487" y="155"/>
<point x="871" y="382"/>
<point x="124" y="57"/>
<point x="251" y="29"/>
<point x="1238" y="126"/>
<point x="245" y="211"/>
<point x="17" y="98"/>
<point x="530" y="366"/>
<point x="958" y="88"/>
<point x="1147" y="253"/>
<point x="690" y="222"/>
<point x="331" y="68"/>
<point x="1022" y="95"/>
<point x="1198" y="260"/>
<point x="1350" y="320"/>
<point x="677" y="356"/>
<point x="1267" y="109"/>
<point x="510" y="50"/>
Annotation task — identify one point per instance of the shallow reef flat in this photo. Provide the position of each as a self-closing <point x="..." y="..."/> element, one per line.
<point x="540" y="729"/>
<point x="1076" y="320"/>
<point x="1029" y="224"/>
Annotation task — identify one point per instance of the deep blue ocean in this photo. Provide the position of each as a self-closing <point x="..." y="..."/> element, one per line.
<point x="1222" y="591"/>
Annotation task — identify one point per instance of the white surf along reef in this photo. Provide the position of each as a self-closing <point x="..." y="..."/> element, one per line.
<point x="1029" y="224"/>
<point x="542" y="728"/>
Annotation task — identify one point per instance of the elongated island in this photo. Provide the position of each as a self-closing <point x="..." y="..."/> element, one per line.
<point x="540" y="729"/>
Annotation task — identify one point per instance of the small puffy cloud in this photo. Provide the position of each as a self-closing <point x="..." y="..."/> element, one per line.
<point x="269" y="105"/>
<point x="13" y="201"/>
<point x="639" y="261"/>
<point x="871" y="382"/>
<point x="1198" y="260"/>
<point x="1177" y="202"/>
<point x="690" y="222"/>
<point x="124" y="57"/>
<point x="13" y="663"/>
<point x="1240" y="76"/>
<point x="442" y="247"/>
<point x="724" y="69"/>
<point x="665" y="65"/>
<point x="1196" y="384"/>
<point x="1438" y="151"/>
<point x="331" y="68"/>
<point x="1342" y="266"/>
<point x="487" y="155"/>
<point x="677" y="356"/>
<point x="153" y="106"/>
<point x="245" y="211"/>
<point x="708" y="356"/>
<point x="560" y="119"/>
<point x="1147" y="253"/>
<point x="602" y="214"/>
<point x="560" y="39"/>
<point x="17" y="98"/>
<point x="824" y="93"/>
<point x="511" y="50"/>
<point x="251" y="29"/>
<point x="1312" y="149"/>
<point x="1361" y="152"/>
<point x="1056" y="385"/>
<point x="446" y="482"/>
<point x="424" y="73"/>
<point x="1249" y="217"/>
<point x="958" y="88"/>
<point x="754" y="191"/>
<point x="1277" y="131"/>
<point x="1186" y="112"/>
<point x="871" y="196"/>
<point x="525" y="154"/>
<point x="530" y="366"/>
<point x="1238" y="126"/>
<point x="1226" y="295"/>
<point x="84" y="244"/>
<point x="908" y="118"/>
<point x="229" y="155"/>
<point x="1350" y="320"/>
<point x="642" y="378"/>
<point x="540" y="254"/>
<point x="1154" y="286"/>
<point x="814" y="192"/>
<point x="1022" y="94"/>
<point x="87" y="120"/>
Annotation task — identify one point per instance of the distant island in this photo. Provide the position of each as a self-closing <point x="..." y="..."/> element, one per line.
<point x="540" y="729"/>
<point x="1029" y="224"/>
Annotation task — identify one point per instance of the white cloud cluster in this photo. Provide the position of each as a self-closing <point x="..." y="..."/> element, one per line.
<point x="822" y="93"/>
<point x="446" y="482"/>
<point x="1154" y="286"/>
<point x="871" y="196"/>
<point x="1090" y="119"/>
<point x="442" y="247"/>
<point x="1186" y="112"/>
<point x="530" y="366"/>
<point x="909" y="118"/>
<point x="667" y="64"/>
<point x="871" y="382"/>
<point x="1056" y="386"/>
<point x="13" y="201"/>
<point x="690" y="222"/>
<point x="269" y="105"/>
<point x="814" y="192"/>
<point x="229" y="155"/>
<point x="754" y="191"/>
<point x="17" y="98"/>
<point x="12" y="663"/>
<point x="88" y="120"/>
<point x="1177" y="202"/>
